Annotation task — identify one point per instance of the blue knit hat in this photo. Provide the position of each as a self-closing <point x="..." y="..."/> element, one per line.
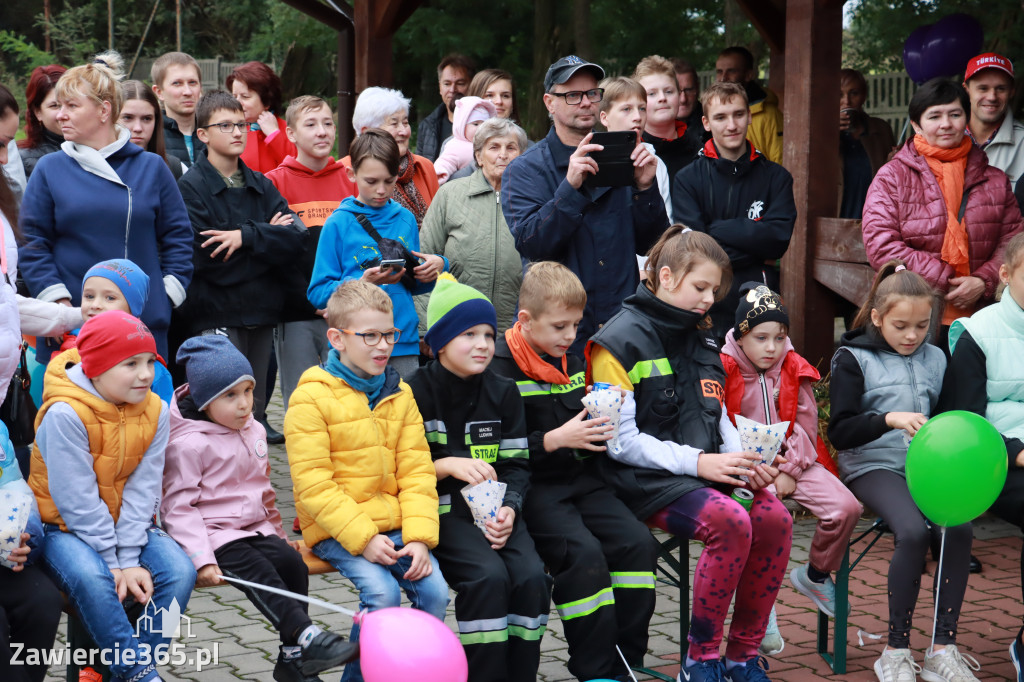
<point x="453" y="308"/>
<point x="212" y="366"/>
<point x="126" y="276"/>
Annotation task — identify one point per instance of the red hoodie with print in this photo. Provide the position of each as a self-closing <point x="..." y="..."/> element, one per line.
<point x="313" y="195"/>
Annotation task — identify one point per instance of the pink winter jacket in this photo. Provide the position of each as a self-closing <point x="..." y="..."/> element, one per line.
<point x="905" y="217"/>
<point x="799" y="450"/>
<point x="216" y="485"/>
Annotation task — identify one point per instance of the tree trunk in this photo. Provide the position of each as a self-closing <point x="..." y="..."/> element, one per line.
<point x="581" y="29"/>
<point x="544" y="38"/>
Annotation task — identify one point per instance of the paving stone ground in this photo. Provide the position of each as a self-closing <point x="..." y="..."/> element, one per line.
<point x="247" y="646"/>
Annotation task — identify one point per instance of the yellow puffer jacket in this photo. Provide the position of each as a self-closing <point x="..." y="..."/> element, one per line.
<point x="118" y="437"/>
<point x="356" y="472"/>
<point x="765" y="131"/>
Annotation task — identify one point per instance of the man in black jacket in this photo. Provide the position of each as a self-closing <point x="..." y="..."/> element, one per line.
<point x="178" y="85"/>
<point x="244" y="237"/>
<point x="736" y="195"/>
<point x="454" y="74"/>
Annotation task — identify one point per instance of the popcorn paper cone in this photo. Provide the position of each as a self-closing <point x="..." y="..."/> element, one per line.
<point x="606" y="402"/>
<point x="765" y="440"/>
<point x="15" y="506"/>
<point x="484" y="500"/>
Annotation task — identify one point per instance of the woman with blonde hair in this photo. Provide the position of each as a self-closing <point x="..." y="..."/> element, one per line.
<point x="100" y="198"/>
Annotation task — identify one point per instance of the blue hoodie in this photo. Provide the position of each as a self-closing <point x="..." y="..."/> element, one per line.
<point x="345" y="251"/>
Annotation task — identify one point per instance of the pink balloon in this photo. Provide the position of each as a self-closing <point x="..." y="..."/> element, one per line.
<point x="408" y="644"/>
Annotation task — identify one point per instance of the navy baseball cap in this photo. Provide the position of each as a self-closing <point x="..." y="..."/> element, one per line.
<point x="565" y="68"/>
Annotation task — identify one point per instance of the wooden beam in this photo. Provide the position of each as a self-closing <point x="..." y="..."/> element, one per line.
<point x="321" y="12"/>
<point x="389" y="15"/>
<point x="840" y="239"/>
<point x="813" y="56"/>
<point x="769" y="18"/>
<point x="373" y="52"/>
<point x="852" y="281"/>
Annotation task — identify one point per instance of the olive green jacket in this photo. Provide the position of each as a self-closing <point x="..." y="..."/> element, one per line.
<point x="465" y="224"/>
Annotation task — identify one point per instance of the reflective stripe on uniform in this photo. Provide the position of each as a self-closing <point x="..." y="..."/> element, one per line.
<point x="483" y="631"/>
<point x="642" y="579"/>
<point x="436" y="431"/>
<point x="513" y="447"/>
<point x="444" y="504"/>
<point x="645" y="369"/>
<point x="532" y="388"/>
<point x="527" y="628"/>
<point x="585" y="606"/>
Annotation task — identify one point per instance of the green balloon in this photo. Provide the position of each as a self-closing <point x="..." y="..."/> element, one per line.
<point x="956" y="467"/>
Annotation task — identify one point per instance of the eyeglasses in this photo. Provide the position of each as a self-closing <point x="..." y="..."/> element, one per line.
<point x="574" y="97"/>
<point x="226" y="128"/>
<point x="373" y="338"/>
<point x="690" y="92"/>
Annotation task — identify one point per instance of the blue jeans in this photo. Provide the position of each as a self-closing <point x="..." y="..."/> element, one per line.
<point x="80" y="572"/>
<point x="380" y="586"/>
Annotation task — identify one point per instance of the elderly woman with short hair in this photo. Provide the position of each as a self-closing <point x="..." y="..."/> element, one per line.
<point x="465" y="223"/>
<point x="389" y="110"/>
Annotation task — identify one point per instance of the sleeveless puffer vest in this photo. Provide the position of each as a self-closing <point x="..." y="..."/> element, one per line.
<point x="678" y="385"/>
<point x="118" y="437"/>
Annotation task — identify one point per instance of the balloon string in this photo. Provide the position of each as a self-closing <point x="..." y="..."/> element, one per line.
<point x="285" y="593"/>
<point x="938" y="585"/>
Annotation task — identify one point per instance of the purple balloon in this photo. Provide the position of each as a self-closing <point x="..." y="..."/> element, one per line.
<point x="942" y="49"/>
<point x="914" y="55"/>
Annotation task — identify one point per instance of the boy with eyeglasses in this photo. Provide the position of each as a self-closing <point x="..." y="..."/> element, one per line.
<point x="245" y="241"/>
<point x="364" y="483"/>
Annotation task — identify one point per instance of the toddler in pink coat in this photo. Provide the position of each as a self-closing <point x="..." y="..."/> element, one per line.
<point x="470" y="112"/>
<point x="768" y="382"/>
<point x="218" y="503"/>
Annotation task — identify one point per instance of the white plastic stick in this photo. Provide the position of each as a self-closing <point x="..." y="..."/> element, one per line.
<point x="938" y="585"/>
<point x="285" y="593"/>
<point x="627" y="663"/>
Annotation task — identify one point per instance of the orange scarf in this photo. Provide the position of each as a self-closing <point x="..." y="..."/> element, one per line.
<point x="532" y="364"/>
<point x="949" y="166"/>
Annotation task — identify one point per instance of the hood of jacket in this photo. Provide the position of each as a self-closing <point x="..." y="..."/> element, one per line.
<point x="95" y="160"/>
<point x="464" y="107"/>
<point x="868" y="338"/>
<point x="385" y="215"/>
<point x="291" y="165"/>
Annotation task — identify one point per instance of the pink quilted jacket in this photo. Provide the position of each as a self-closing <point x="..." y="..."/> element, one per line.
<point x="905" y="217"/>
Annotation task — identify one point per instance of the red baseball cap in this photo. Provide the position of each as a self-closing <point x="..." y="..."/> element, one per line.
<point x="989" y="60"/>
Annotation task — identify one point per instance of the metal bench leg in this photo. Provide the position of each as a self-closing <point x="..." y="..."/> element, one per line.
<point x="676" y="574"/>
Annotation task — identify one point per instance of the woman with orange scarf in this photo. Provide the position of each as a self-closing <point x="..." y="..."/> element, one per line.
<point x="940" y="207"/>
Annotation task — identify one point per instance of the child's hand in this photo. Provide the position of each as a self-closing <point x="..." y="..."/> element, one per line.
<point x="469" y="470"/>
<point x="377" y="276"/>
<point x="380" y="550"/>
<point x="139" y="582"/>
<point x="498" y="531"/>
<point x="421" y="566"/>
<point x="282" y="219"/>
<point x="19" y="555"/>
<point x="231" y="240"/>
<point x="762" y="475"/>
<point x="208" y="576"/>
<point x="1019" y="459"/>
<point x="784" y="485"/>
<point x="723" y="467"/>
<point x="429" y="269"/>
<point x="908" y="421"/>
<point x="580" y="433"/>
<point x="294" y="544"/>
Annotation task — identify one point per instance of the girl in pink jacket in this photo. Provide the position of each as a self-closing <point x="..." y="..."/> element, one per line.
<point x="768" y="382"/>
<point x="219" y="504"/>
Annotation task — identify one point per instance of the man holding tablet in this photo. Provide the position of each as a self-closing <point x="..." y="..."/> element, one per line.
<point x="595" y="231"/>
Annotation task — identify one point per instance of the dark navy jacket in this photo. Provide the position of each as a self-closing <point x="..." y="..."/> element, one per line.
<point x="595" y="232"/>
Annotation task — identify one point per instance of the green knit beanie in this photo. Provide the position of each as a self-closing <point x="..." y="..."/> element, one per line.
<point x="453" y="309"/>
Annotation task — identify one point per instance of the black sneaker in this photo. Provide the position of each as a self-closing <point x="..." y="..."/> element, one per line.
<point x="274" y="437"/>
<point x="290" y="670"/>
<point x="328" y="650"/>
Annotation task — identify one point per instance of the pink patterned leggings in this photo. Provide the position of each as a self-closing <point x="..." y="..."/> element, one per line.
<point x="744" y="554"/>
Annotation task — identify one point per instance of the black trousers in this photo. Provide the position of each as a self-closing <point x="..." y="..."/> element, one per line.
<point x="887" y="494"/>
<point x="269" y="560"/>
<point x="603" y="560"/>
<point x="502" y="601"/>
<point x="1009" y="506"/>
<point x="30" y="607"/>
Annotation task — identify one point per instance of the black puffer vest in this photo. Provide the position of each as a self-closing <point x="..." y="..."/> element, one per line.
<point x="678" y="383"/>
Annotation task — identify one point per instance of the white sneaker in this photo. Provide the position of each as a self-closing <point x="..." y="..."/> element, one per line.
<point x="772" y="644"/>
<point x="949" y="665"/>
<point x="896" y="665"/>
